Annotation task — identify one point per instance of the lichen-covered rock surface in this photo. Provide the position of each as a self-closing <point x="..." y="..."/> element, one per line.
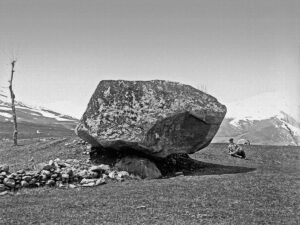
<point x="156" y="118"/>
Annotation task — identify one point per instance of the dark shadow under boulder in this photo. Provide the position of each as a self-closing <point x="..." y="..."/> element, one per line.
<point x="146" y="167"/>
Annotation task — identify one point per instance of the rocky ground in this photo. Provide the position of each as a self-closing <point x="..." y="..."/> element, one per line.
<point x="68" y="173"/>
<point x="264" y="189"/>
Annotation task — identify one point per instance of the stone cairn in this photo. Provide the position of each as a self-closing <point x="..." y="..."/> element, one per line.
<point x="70" y="173"/>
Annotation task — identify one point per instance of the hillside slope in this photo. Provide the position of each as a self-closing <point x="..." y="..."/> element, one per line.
<point x="33" y="121"/>
<point x="268" y="119"/>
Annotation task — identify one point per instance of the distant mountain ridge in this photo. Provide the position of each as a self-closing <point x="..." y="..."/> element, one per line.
<point x="33" y="121"/>
<point x="268" y="119"/>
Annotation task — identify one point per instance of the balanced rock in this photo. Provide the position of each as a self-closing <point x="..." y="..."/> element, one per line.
<point x="157" y="118"/>
<point x="142" y="167"/>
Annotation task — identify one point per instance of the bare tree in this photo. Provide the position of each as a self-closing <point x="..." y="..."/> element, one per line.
<point x="12" y="95"/>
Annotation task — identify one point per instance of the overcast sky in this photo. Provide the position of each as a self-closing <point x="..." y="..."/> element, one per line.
<point x="236" y="48"/>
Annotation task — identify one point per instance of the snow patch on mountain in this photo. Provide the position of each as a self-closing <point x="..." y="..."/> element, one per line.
<point x="261" y="107"/>
<point x="267" y="118"/>
<point x="31" y="111"/>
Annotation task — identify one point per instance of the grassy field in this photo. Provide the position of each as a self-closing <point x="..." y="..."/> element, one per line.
<point x="264" y="189"/>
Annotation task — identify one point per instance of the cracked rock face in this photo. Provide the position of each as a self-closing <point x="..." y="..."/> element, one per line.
<point x="156" y="118"/>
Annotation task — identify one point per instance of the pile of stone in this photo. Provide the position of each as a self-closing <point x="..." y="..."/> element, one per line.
<point x="70" y="173"/>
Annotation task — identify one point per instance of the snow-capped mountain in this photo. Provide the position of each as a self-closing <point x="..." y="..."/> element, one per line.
<point x="269" y="118"/>
<point x="32" y="121"/>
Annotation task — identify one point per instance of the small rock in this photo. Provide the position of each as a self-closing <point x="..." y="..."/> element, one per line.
<point x="50" y="183"/>
<point x="32" y="182"/>
<point x="4" y="193"/>
<point x="123" y="174"/>
<point x="69" y="160"/>
<point x="21" y="172"/>
<point x="67" y="165"/>
<point x="51" y="163"/>
<point x="3" y="173"/>
<point x="65" y="177"/>
<point x="46" y="173"/>
<point x="54" y="176"/>
<point x="11" y="176"/>
<point x="2" y="187"/>
<point x="24" y="183"/>
<point x="143" y="167"/>
<point x="72" y="186"/>
<point x="47" y="167"/>
<point x="96" y="169"/>
<point x="104" y="167"/>
<point x="9" y="182"/>
<point x="70" y="172"/>
<point x="93" y="174"/>
<point x="83" y="174"/>
<point x="18" y="177"/>
<point x="56" y="165"/>
<point x="89" y="185"/>
<point x="27" y="178"/>
<point x="62" y="185"/>
<point x="113" y="175"/>
<point x="87" y="181"/>
<point x="31" y="173"/>
<point x="100" y="181"/>
<point x="61" y="164"/>
<point x="179" y="173"/>
<point x="41" y="166"/>
<point x="44" y="177"/>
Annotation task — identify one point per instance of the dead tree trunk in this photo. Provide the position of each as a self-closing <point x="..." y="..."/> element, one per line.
<point x="12" y="95"/>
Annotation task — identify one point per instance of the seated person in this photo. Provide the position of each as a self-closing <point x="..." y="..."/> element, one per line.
<point x="235" y="150"/>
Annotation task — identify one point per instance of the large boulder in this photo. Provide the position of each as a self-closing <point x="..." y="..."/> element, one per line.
<point x="156" y="118"/>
